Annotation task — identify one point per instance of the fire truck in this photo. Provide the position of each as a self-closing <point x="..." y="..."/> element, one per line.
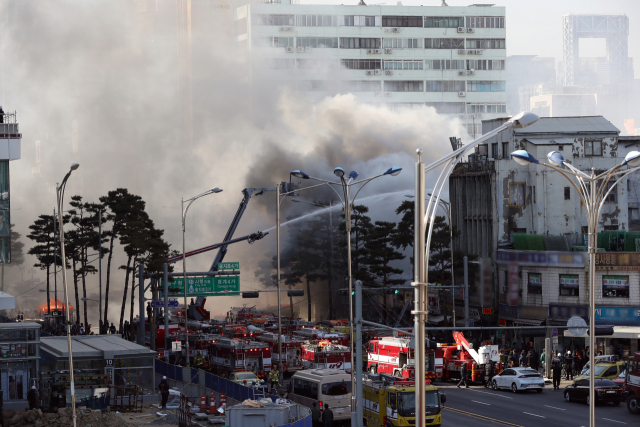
<point x="632" y="384"/>
<point x="238" y="331"/>
<point x="395" y="356"/>
<point x="313" y="334"/>
<point x="291" y="349"/>
<point x="173" y="329"/>
<point x="325" y="355"/>
<point x="463" y="352"/>
<point x="228" y="355"/>
<point x="198" y="344"/>
<point x="390" y="402"/>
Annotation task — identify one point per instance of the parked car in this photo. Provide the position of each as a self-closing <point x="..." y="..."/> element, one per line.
<point x="608" y="370"/>
<point x="243" y="377"/>
<point x="605" y="391"/>
<point x="518" y="379"/>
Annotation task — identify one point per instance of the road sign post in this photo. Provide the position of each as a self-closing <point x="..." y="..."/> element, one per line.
<point x="228" y="266"/>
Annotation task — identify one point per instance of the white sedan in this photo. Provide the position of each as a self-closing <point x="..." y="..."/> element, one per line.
<point x="518" y="379"/>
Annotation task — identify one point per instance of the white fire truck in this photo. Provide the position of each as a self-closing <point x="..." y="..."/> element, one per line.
<point x="228" y="355"/>
<point x="396" y="356"/>
<point x="291" y="351"/>
<point x="321" y="335"/>
<point x="325" y="355"/>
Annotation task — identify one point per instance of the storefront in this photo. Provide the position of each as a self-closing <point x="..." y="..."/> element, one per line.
<point x="19" y="358"/>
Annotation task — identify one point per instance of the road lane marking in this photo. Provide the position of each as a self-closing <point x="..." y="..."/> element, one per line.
<point x="481" y="417"/>
<point x="539" y="416"/>
<point x="560" y="409"/>
<point x="482" y="403"/>
<point x="492" y="394"/>
<point x="614" y="421"/>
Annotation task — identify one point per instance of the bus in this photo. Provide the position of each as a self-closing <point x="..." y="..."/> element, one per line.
<point x="323" y="386"/>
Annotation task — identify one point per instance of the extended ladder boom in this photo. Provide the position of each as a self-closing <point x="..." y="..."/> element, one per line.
<point x="461" y="340"/>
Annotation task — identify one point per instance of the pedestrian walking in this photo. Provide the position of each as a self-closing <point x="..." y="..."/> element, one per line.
<point x="327" y="416"/>
<point x="32" y="397"/>
<point x="316" y="416"/>
<point x="489" y="371"/>
<point x="531" y="359"/>
<point x="523" y="360"/>
<point x="112" y="329"/>
<point x="556" y="370"/>
<point x="515" y="359"/>
<point x="568" y="365"/>
<point x="164" y="392"/>
<point x="463" y="375"/>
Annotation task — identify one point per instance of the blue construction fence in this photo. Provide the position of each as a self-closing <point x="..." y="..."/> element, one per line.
<point x="218" y="384"/>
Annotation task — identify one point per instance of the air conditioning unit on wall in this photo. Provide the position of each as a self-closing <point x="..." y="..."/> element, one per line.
<point x="461" y="94"/>
<point x="289" y="49"/>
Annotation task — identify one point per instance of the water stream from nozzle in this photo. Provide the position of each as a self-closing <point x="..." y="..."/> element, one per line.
<point x="339" y="206"/>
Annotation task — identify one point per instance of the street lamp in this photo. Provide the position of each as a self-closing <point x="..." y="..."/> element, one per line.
<point x="331" y="311"/>
<point x="446" y="207"/>
<point x="593" y="191"/>
<point x="60" y="201"/>
<point x="347" y="201"/>
<point x="184" y="263"/>
<point x="421" y="248"/>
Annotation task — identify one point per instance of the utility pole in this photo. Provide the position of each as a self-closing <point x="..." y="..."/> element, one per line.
<point x="100" y="267"/>
<point x="466" y="291"/>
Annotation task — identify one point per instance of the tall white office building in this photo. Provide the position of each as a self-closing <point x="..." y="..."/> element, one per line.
<point x="450" y="58"/>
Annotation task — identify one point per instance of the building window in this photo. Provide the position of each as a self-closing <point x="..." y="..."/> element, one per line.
<point x="274" y="19"/>
<point x="361" y="64"/>
<point x="485" y="44"/>
<point x="486" y="108"/>
<point x="567" y="193"/>
<point x="316" y="64"/>
<point x="517" y="194"/>
<point x="273" y="41"/>
<point x="494" y="150"/>
<point x="317" y="42"/>
<point x="612" y="197"/>
<point x="441" y="43"/>
<point x="569" y="285"/>
<point x="357" y="21"/>
<point x="316" y="21"/>
<point x="400" y="43"/>
<point x="485" y="64"/>
<point x="535" y="284"/>
<point x="403" y="65"/>
<point x="444" y="64"/>
<point x="443" y="22"/>
<point x="361" y="86"/>
<point x="486" y="86"/>
<point x="615" y="286"/>
<point x="403" y="86"/>
<point x="402" y="21"/>
<point x="593" y="147"/>
<point x="359" y="43"/>
<point x="505" y="150"/>
<point x="610" y="228"/>
<point x="485" y="22"/>
<point x="444" y="86"/>
<point x="447" y="107"/>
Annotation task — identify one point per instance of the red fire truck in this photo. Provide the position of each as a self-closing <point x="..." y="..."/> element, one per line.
<point x="198" y="344"/>
<point x="238" y="331"/>
<point x="291" y="351"/>
<point x="396" y="356"/>
<point x="313" y="334"/>
<point x="632" y="386"/>
<point x="325" y="355"/>
<point x="463" y="352"/>
<point x="228" y="355"/>
<point x="173" y="329"/>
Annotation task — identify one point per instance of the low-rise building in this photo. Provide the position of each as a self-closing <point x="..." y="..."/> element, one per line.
<point x="19" y="360"/>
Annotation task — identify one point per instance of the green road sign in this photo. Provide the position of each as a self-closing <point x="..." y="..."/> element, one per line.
<point x="200" y="286"/>
<point x="228" y="266"/>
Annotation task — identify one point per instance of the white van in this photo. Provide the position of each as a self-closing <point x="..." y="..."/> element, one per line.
<point x="323" y="386"/>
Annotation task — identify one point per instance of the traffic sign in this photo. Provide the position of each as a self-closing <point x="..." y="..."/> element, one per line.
<point x="554" y="331"/>
<point x="577" y="326"/>
<point x="227" y="284"/>
<point x="228" y="266"/>
<point x="171" y="303"/>
<point x="176" y="346"/>
<point x="471" y="323"/>
<point x="202" y="286"/>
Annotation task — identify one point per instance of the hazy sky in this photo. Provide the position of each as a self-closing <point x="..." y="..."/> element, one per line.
<point x="535" y="27"/>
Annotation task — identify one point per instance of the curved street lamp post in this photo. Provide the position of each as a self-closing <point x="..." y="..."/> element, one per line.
<point x="593" y="191"/>
<point x="421" y="247"/>
<point x="60" y="201"/>
<point x="347" y="201"/>
<point x="184" y="264"/>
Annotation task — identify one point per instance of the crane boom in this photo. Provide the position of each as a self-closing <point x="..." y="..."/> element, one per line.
<point x="251" y="238"/>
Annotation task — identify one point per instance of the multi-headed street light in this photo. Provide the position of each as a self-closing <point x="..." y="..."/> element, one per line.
<point x="184" y="263"/>
<point x="347" y="201"/>
<point x="593" y="190"/>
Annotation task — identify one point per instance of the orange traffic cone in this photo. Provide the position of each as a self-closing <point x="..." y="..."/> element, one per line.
<point x="223" y="400"/>
<point x="212" y="403"/>
<point x="203" y="405"/>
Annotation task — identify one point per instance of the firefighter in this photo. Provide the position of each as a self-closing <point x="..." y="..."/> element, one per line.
<point x="198" y="360"/>
<point x="274" y="376"/>
<point x="164" y="392"/>
<point x="489" y="371"/>
<point x="556" y="368"/>
<point x="463" y="375"/>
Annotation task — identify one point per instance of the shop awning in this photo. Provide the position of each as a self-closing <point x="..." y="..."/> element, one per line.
<point x="618" y="332"/>
<point x="435" y="319"/>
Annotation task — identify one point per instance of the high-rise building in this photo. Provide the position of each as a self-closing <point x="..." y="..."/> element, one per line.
<point x="449" y="58"/>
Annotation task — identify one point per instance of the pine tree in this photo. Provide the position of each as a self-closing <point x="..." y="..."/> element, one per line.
<point x="361" y="227"/>
<point x="41" y="232"/>
<point x="307" y="257"/>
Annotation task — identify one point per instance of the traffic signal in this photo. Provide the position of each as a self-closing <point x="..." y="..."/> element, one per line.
<point x="251" y="295"/>
<point x="295" y="293"/>
<point x="397" y="291"/>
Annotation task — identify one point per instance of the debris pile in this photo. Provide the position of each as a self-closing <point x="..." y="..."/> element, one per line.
<point x="64" y="418"/>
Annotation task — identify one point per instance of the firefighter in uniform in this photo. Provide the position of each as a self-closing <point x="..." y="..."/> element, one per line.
<point x="198" y="360"/>
<point x="274" y="376"/>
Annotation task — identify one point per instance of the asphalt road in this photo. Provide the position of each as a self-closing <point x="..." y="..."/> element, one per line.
<point x="477" y="406"/>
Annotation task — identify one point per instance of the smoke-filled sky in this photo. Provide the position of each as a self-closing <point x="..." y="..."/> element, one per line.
<point x="102" y="83"/>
